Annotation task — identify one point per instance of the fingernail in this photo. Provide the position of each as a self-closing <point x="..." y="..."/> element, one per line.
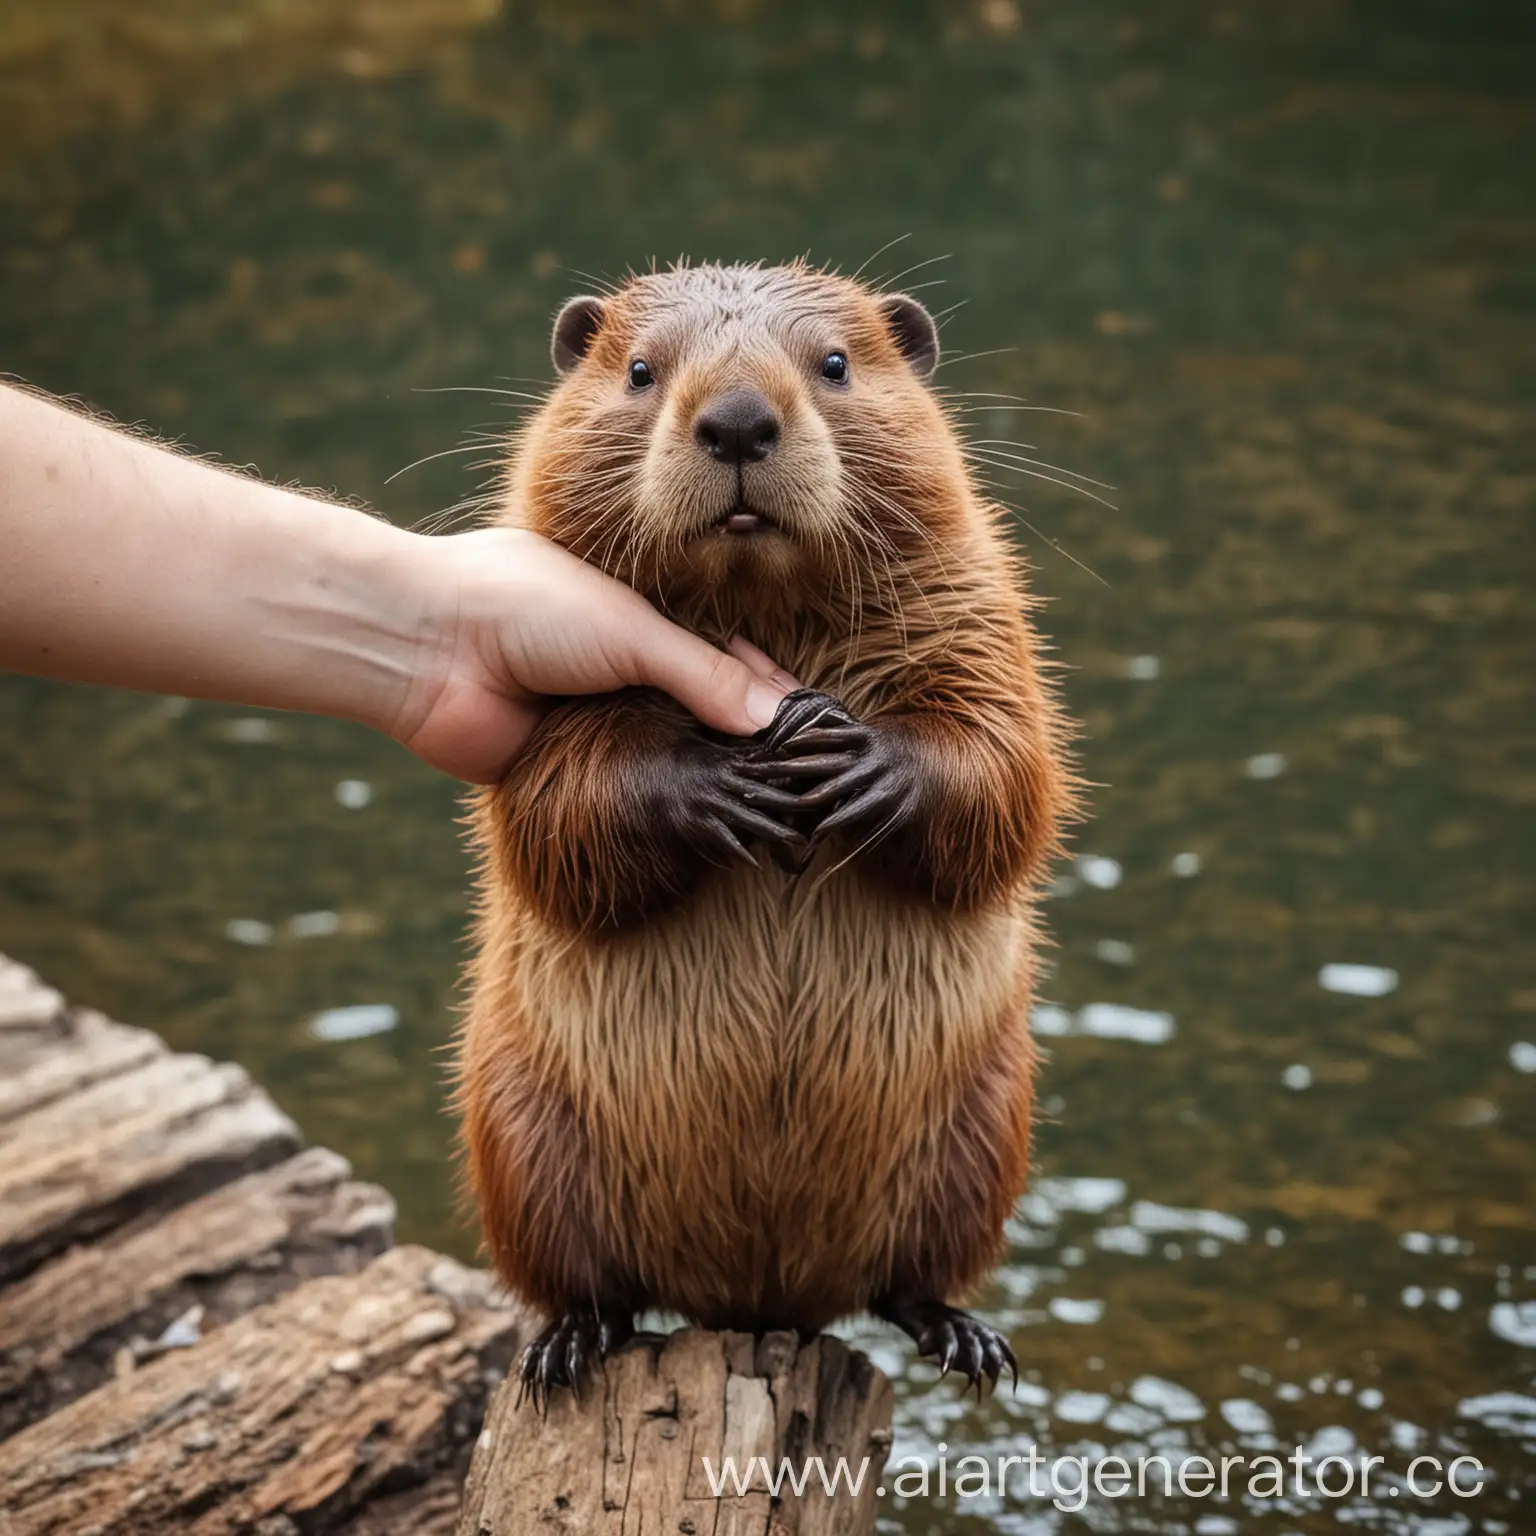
<point x="763" y="701"/>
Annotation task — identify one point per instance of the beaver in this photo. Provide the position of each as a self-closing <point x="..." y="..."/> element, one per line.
<point x="765" y="1092"/>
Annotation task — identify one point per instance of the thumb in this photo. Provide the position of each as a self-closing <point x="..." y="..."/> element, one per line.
<point x="719" y="689"/>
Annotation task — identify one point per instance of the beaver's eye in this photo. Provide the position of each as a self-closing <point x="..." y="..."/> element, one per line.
<point x="640" y="375"/>
<point x="834" y="368"/>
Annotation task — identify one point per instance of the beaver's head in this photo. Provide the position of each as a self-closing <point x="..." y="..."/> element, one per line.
<point x="741" y="424"/>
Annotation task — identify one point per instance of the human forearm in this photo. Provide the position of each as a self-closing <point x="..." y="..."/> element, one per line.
<point x="124" y="564"/>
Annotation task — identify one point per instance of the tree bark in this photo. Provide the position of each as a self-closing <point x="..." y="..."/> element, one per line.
<point x="290" y="1419"/>
<point x="639" y="1450"/>
<point x="70" y="1052"/>
<point x="146" y="1139"/>
<point x="164" y="1280"/>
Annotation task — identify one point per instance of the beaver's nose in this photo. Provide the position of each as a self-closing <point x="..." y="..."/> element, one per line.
<point x="738" y="428"/>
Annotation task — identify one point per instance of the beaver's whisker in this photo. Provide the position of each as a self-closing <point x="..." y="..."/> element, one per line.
<point x="605" y="285"/>
<point x="875" y="256"/>
<point x="447" y="453"/>
<point x="1034" y="474"/>
<point x="478" y="389"/>
<point x="879" y="547"/>
<point x="887" y="284"/>
<point x="1061" y="549"/>
<point x="971" y="357"/>
<point x="1002" y="443"/>
<point x="961" y="401"/>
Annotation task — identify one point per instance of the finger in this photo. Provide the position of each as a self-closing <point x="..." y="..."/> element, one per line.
<point x="993" y="1363"/>
<point x="774" y="771"/>
<point x="546" y="1382"/>
<point x="830" y="791"/>
<point x="948" y="1344"/>
<point x="871" y="803"/>
<point x="613" y="1332"/>
<point x="764" y="796"/>
<point x="796" y="713"/>
<point x="822" y="738"/>
<point x="719" y="689"/>
<point x="727" y="842"/>
<point x="761" y="664"/>
<point x="745" y="819"/>
<point x="970" y="1358"/>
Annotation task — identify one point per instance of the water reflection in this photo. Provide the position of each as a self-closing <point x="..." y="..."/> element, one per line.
<point x="1278" y="259"/>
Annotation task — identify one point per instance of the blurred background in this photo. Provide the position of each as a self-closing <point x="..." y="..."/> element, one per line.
<point x="1281" y="262"/>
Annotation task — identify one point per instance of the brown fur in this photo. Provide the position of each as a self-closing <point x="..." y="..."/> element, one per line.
<point x="754" y="1098"/>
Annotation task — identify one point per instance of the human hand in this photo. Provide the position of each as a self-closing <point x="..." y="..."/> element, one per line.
<point x="510" y="618"/>
<point x="125" y="564"/>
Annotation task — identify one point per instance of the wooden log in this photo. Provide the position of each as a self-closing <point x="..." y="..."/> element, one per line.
<point x="291" y="1419"/>
<point x="145" y="1139"/>
<point x="66" y="1327"/>
<point x="29" y="1010"/>
<point x="48" y="1049"/>
<point x="74" y="1052"/>
<point x="430" y="1510"/>
<point x="638" y="1452"/>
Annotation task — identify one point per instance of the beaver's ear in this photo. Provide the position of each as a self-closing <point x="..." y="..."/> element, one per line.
<point x="914" y="330"/>
<point x="575" y="326"/>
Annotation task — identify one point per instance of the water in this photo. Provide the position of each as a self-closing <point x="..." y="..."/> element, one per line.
<point x="1280" y="259"/>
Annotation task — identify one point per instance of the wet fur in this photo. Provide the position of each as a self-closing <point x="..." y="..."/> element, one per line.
<point x="757" y="1099"/>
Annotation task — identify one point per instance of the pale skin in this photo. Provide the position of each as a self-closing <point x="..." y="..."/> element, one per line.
<point x="125" y="563"/>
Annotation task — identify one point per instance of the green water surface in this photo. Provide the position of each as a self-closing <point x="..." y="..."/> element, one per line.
<point x="1281" y="259"/>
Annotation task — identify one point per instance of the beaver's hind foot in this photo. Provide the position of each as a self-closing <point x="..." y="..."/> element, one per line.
<point x="953" y="1338"/>
<point x="561" y="1355"/>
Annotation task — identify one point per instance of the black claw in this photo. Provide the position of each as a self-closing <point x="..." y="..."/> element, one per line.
<point x="1013" y="1365"/>
<point x="563" y="1354"/>
<point x="971" y="1357"/>
<point x="845" y="777"/>
<point x="745" y="819"/>
<point x="992" y="1364"/>
<point x="830" y="791"/>
<point x="724" y="841"/>
<point x="821" y="738"/>
<point x="951" y="1337"/>
<point x="762" y="796"/>
<point x="800" y="710"/>
<point x="720" y="809"/>
<point x="776" y="770"/>
<point x="875" y="809"/>
<point x="951" y="1344"/>
<point x="615" y="1329"/>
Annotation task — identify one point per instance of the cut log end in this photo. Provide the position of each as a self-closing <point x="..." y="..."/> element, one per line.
<point x="698" y="1432"/>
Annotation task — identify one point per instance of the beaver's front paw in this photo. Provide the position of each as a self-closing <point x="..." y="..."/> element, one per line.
<point x="716" y="807"/>
<point x="851" y="776"/>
